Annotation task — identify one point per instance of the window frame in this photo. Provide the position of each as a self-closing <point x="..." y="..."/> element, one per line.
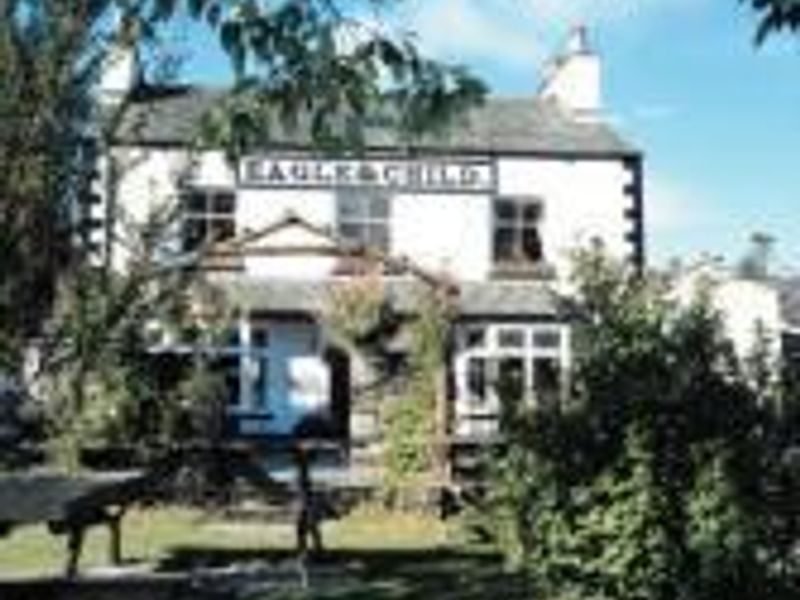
<point x="366" y="219"/>
<point x="207" y="216"/>
<point x="493" y="351"/>
<point x="518" y="226"/>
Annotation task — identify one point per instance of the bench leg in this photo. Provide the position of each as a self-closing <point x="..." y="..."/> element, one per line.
<point x="74" y="547"/>
<point x="115" y="540"/>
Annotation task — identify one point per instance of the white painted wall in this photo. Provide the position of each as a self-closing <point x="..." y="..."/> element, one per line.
<point x="750" y="310"/>
<point x="148" y="182"/>
<point x="443" y="232"/>
<point x="582" y="199"/>
<point x="260" y="208"/>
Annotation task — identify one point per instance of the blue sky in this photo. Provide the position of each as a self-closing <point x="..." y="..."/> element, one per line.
<point x="718" y="120"/>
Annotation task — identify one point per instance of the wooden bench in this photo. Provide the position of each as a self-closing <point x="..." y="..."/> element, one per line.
<point x="69" y="505"/>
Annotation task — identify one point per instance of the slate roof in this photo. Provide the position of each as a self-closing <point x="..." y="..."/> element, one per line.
<point x="502" y="125"/>
<point x="509" y="299"/>
<point x="489" y="299"/>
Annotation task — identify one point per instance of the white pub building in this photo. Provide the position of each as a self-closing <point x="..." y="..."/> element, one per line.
<point x="493" y="208"/>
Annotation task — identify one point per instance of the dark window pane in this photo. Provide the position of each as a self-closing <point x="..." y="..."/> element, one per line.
<point x="221" y="229"/>
<point x="194" y="233"/>
<point x="259" y="337"/>
<point x="505" y="210"/>
<point x="260" y="389"/>
<point x="531" y="245"/>
<point x="504" y="244"/>
<point x="228" y="367"/>
<point x="546" y="381"/>
<point x="546" y="338"/>
<point x="476" y="379"/>
<point x="352" y="232"/>
<point x="195" y="202"/>
<point x="475" y="337"/>
<point x="232" y="339"/>
<point x="223" y="204"/>
<point x="350" y="207"/>
<point x="377" y="236"/>
<point x="511" y="379"/>
<point x="379" y="207"/>
<point x="531" y="213"/>
<point x="363" y="218"/>
<point x="511" y="338"/>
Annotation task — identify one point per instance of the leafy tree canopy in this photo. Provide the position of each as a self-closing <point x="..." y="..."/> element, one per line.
<point x="666" y="474"/>
<point x="315" y="60"/>
<point x="775" y="16"/>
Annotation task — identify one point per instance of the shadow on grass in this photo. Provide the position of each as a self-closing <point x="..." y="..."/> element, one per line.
<point x="380" y="574"/>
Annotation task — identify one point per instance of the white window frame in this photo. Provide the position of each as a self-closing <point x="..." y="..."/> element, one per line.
<point x="252" y="357"/>
<point x="209" y="216"/>
<point x="491" y="352"/>
<point x="365" y="220"/>
<point x="518" y="225"/>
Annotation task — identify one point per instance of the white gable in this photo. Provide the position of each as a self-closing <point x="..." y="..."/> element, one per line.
<point x="289" y="250"/>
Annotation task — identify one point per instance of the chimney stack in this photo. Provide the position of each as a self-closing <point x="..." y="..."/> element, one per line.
<point x="573" y="78"/>
<point x="119" y="71"/>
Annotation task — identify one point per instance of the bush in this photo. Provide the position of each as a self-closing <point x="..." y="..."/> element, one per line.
<point x="663" y="476"/>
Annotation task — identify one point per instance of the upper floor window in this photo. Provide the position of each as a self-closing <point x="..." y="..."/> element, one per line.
<point x="208" y="217"/>
<point x="515" y="235"/>
<point x="363" y="217"/>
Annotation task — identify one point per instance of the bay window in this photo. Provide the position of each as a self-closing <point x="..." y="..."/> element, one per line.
<point x="500" y="363"/>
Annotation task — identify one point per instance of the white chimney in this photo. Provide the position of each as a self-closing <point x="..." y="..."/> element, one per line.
<point x="119" y="73"/>
<point x="572" y="78"/>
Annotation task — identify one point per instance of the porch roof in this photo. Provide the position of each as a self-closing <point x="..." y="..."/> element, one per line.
<point x="473" y="299"/>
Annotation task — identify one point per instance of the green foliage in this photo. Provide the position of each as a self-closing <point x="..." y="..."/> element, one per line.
<point x="291" y="65"/>
<point x="98" y="383"/>
<point x="360" y="316"/>
<point x="612" y="544"/>
<point x="664" y="476"/>
<point x="312" y="64"/>
<point x="718" y="529"/>
<point x="358" y="312"/>
<point x="45" y="53"/>
<point x="408" y="434"/>
<point x="197" y="405"/>
<point x="317" y="65"/>
<point x="51" y="56"/>
<point x="775" y="16"/>
<point x="411" y="448"/>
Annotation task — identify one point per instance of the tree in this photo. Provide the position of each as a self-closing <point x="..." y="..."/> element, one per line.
<point x="361" y="317"/>
<point x="665" y="474"/>
<point x="290" y="66"/>
<point x="316" y="60"/>
<point x="43" y="108"/>
<point x="97" y="382"/>
<point x="775" y="16"/>
<point x="290" y="62"/>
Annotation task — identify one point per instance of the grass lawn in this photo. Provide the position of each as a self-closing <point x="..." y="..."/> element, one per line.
<point x="369" y="554"/>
